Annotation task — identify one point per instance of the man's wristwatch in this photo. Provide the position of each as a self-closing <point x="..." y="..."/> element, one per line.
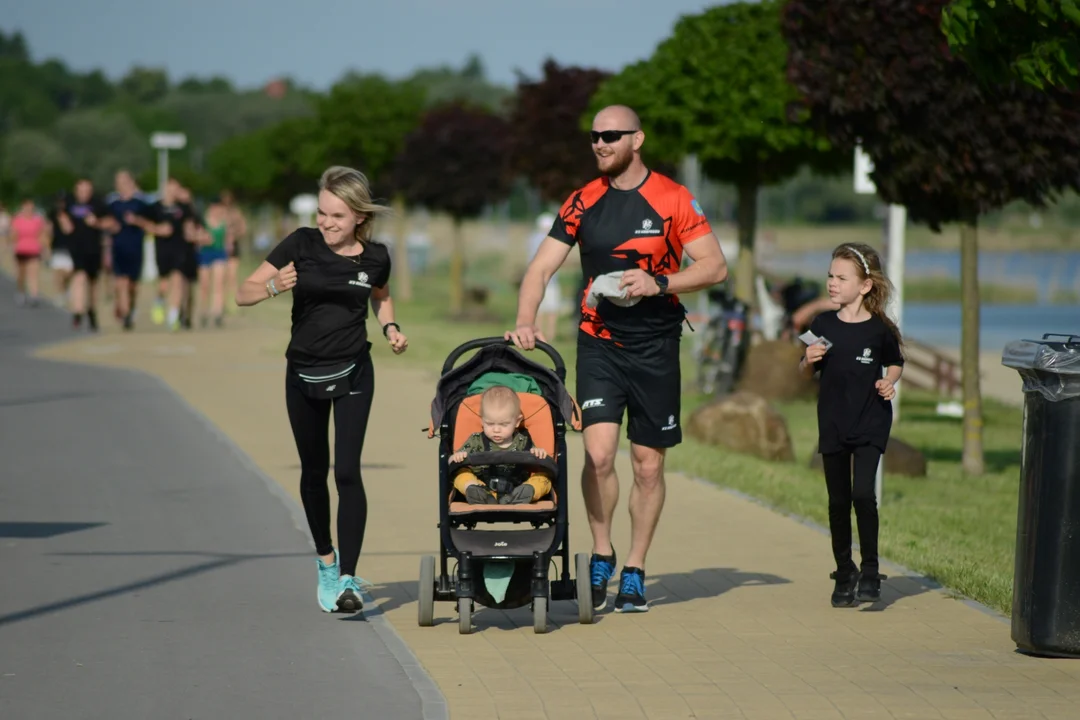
<point x="661" y="282"/>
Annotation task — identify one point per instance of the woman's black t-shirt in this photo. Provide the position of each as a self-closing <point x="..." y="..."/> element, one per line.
<point x="850" y="410"/>
<point x="330" y="300"/>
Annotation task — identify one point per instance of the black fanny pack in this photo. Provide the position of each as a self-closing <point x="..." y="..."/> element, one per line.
<point x="324" y="382"/>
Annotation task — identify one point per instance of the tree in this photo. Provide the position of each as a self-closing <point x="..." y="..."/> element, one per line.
<point x="455" y="162"/>
<point x="98" y="142"/>
<point x="275" y="163"/>
<point x="547" y="144"/>
<point x="216" y="84"/>
<point x="468" y="85"/>
<point x="949" y="148"/>
<point x="1031" y="40"/>
<point x="29" y="153"/>
<point x="365" y="120"/>
<point x="717" y="88"/>
<point x="145" y="85"/>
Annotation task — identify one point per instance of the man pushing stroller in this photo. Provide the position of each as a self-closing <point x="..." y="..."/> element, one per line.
<point x="503" y="484"/>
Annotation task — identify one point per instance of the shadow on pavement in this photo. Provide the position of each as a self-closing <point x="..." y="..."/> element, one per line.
<point x="218" y="561"/>
<point x="41" y="530"/>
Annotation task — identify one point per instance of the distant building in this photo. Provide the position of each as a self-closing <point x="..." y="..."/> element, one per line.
<point x="276" y="89"/>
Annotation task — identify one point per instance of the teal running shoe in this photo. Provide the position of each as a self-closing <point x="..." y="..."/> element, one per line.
<point x="348" y="596"/>
<point x="329" y="576"/>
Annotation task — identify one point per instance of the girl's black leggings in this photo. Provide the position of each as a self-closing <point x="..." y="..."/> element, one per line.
<point x="310" y="420"/>
<point x="852" y="483"/>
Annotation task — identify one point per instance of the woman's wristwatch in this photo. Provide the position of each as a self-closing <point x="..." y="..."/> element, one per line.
<point x="386" y="327"/>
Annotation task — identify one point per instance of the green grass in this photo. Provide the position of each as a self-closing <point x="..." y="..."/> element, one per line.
<point x="943" y="290"/>
<point x="958" y="530"/>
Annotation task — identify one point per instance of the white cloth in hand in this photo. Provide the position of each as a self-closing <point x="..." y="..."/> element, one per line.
<point x="607" y="286"/>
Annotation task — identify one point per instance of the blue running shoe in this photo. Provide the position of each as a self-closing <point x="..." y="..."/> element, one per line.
<point x="328" y="583"/>
<point x="348" y="596"/>
<point x="631" y="597"/>
<point x="601" y="568"/>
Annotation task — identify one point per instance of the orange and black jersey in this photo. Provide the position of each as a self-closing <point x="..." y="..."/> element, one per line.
<point x="644" y="228"/>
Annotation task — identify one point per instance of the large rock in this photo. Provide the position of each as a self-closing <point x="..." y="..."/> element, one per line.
<point x="900" y="459"/>
<point x="743" y="422"/>
<point x="772" y="371"/>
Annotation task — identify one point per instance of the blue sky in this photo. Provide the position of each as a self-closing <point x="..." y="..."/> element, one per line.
<point x="251" y="41"/>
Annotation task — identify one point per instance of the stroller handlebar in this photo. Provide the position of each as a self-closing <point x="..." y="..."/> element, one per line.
<point x="556" y="358"/>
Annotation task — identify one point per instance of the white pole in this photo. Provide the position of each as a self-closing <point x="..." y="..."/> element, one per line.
<point x="162" y="170"/>
<point x="895" y="270"/>
<point x="897" y="221"/>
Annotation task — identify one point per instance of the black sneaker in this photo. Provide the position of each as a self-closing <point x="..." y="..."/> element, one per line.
<point x="843" y="594"/>
<point x="869" y="588"/>
<point x="601" y="568"/>
<point x="631" y="597"/>
<point x="91" y="318"/>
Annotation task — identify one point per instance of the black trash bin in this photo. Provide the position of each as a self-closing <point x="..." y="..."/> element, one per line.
<point x="1046" y="580"/>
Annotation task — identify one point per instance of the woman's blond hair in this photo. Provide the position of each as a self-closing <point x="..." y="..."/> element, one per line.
<point x="352" y="187"/>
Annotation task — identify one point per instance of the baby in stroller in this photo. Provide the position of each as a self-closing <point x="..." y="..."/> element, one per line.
<point x="501" y="418"/>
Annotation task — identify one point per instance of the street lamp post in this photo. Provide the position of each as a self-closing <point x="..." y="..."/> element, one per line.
<point x="163" y="142"/>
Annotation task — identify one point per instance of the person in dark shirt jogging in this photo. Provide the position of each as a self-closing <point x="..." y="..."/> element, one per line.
<point x="131" y="212"/>
<point x="83" y="220"/>
<point x="632" y="226"/>
<point x="851" y="348"/>
<point x="335" y="272"/>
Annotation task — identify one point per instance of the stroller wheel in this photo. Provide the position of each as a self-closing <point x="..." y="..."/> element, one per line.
<point x="426" y="610"/>
<point x="583" y="583"/>
<point x="464" y="608"/>
<point x="540" y="605"/>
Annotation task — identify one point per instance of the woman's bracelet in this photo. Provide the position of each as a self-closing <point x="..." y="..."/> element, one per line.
<point x="385" y="328"/>
<point x="271" y="289"/>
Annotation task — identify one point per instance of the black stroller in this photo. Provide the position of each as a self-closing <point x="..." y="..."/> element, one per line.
<point x="520" y="541"/>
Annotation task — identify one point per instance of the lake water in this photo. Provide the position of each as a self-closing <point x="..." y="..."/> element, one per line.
<point x="939" y="324"/>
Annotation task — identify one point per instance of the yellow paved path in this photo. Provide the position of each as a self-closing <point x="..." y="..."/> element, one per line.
<point x="740" y="625"/>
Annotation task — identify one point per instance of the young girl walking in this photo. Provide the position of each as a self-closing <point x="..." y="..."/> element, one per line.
<point x="856" y="342"/>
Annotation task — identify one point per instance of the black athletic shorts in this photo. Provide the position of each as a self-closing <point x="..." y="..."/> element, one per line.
<point x="87" y="262"/>
<point x="170" y="257"/>
<point x="643" y="378"/>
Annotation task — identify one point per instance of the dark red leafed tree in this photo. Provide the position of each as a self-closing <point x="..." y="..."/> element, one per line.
<point x="879" y="73"/>
<point x="547" y="144"/>
<point x="455" y="162"/>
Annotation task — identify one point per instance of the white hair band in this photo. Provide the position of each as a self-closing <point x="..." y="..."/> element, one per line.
<point x="861" y="258"/>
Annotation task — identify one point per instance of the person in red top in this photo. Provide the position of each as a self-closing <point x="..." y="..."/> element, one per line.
<point x="631" y="226"/>
<point x="28" y="227"/>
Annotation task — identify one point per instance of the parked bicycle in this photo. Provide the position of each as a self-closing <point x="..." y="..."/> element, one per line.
<point x="724" y="343"/>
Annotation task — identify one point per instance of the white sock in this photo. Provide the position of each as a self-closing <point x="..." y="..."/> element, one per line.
<point x="174" y="316"/>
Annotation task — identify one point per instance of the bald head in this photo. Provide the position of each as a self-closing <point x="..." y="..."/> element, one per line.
<point x="616" y="117"/>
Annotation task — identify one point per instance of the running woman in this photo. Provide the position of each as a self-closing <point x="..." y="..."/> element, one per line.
<point x="856" y="343"/>
<point x="213" y="256"/>
<point x="28" y="228"/>
<point x="335" y="272"/>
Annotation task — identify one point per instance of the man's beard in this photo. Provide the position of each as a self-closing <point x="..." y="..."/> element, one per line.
<point x="619" y="164"/>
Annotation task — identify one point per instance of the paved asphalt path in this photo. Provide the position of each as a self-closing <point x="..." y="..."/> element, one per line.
<point x="148" y="571"/>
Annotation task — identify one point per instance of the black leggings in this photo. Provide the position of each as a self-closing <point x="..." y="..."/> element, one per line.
<point x="310" y="420"/>
<point x="847" y="488"/>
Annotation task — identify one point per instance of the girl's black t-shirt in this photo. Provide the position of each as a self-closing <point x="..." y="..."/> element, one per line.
<point x="331" y="296"/>
<point x="850" y="410"/>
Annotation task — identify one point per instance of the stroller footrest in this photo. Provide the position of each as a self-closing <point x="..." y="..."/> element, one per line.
<point x="541" y="506"/>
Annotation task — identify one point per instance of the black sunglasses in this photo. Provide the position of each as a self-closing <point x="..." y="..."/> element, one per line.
<point x="609" y="136"/>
